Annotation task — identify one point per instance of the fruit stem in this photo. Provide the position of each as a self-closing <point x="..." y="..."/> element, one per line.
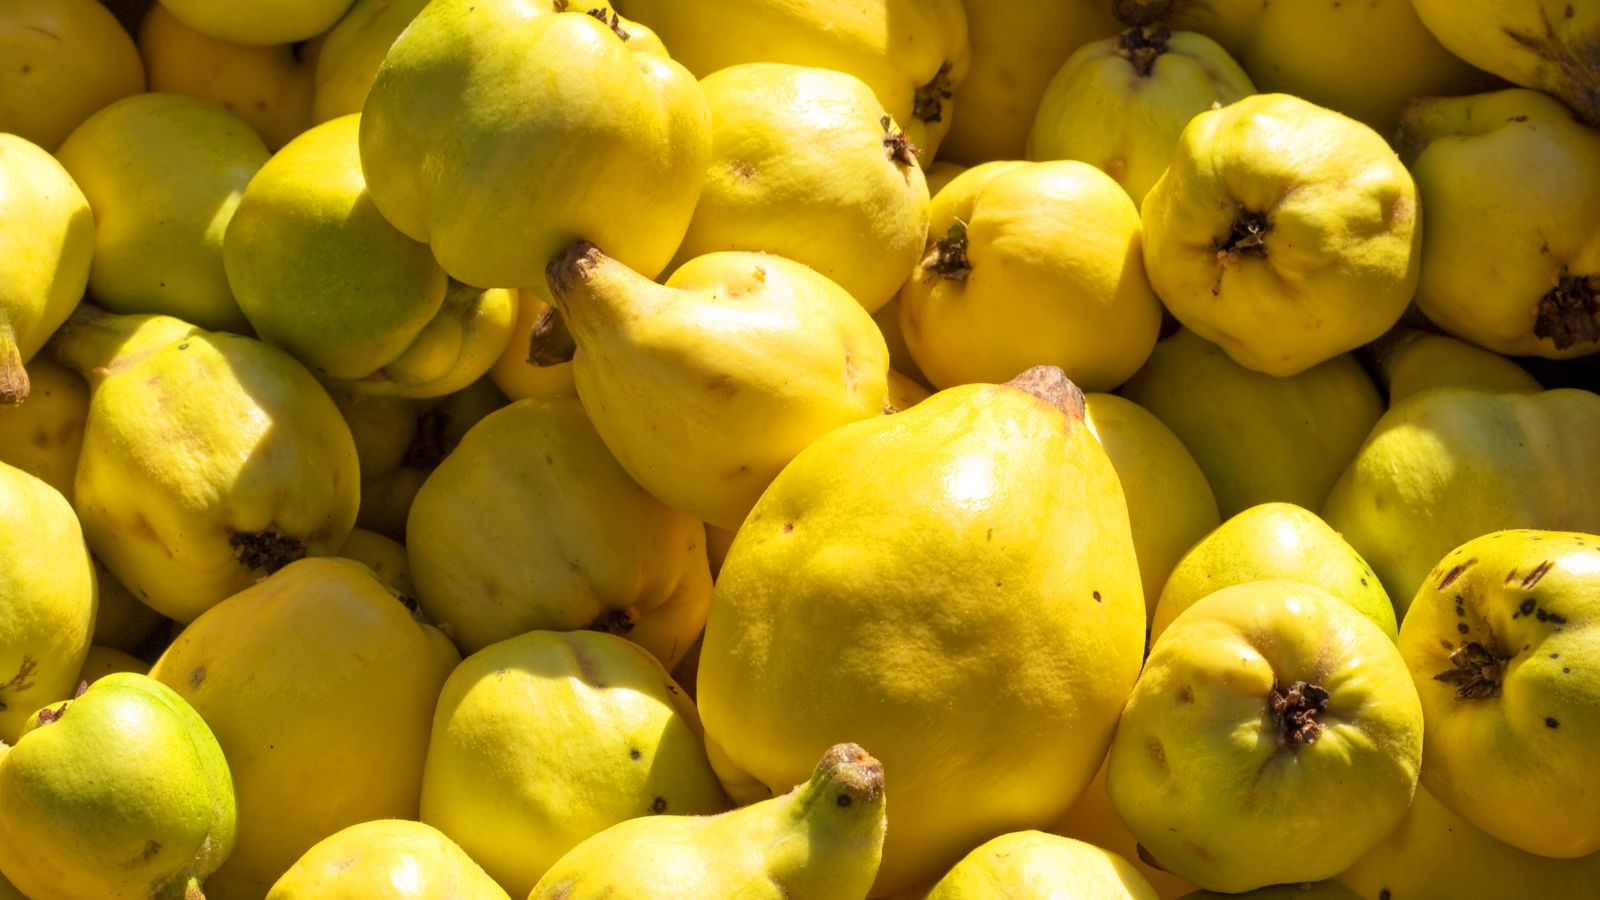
<point x="928" y="105"/>
<point x="550" y="343"/>
<point x="1141" y="47"/>
<point x="14" y="383"/>
<point x="1567" y="314"/>
<point x="1052" y="385"/>
<point x="1297" y="710"/>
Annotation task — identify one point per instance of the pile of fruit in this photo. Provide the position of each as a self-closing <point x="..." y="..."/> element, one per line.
<point x="827" y="449"/>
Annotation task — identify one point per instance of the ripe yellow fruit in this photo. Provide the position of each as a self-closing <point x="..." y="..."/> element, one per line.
<point x="389" y="859"/>
<point x="350" y="53"/>
<point x="255" y="23"/>
<point x="1411" y="361"/>
<point x="516" y="373"/>
<point x="1031" y="864"/>
<point x="1094" y="820"/>
<point x="44" y="435"/>
<point x="64" y="59"/>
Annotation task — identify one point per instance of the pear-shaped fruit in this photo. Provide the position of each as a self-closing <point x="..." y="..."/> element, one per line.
<point x="1170" y="505"/>
<point x="1258" y="438"/>
<point x="44" y="435"/>
<point x="207" y="458"/>
<point x="1551" y="46"/>
<point x="1509" y="264"/>
<point x="47" y="598"/>
<point x="64" y="60"/>
<point x="320" y="686"/>
<point x="1121" y="103"/>
<point x="499" y="188"/>
<point x="522" y="372"/>
<point x="1026" y="264"/>
<point x="351" y="52"/>
<point x="1411" y="361"/>
<point x="1093" y="820"/>
<point x="1274" y="541"/>
<point x="987" y="657"/>
<point x="268" y="87"/>
<point x="530" y="524"/>
<point x="1032" y="865"/>
<point x="545" y="739"/>
<point x="1435" y="851"/>
<point x="1284" y="232"/>
<point x="824" y="838"/>
<point x="807" y="165"/>
<point x="163" y="174"/>
<point x="1273" y="737"/>
<point x="255" y="23"/>
<point x="1017" y="46"/>
<point x="120" y="794"/>
<point x="1449" y="464"/>
<point x="1501" y="641"/>
<point x="703" y="388"/>
<point x="389" y="859"/>
<point x="912" y="53"/>
<point x="46" y="242"/>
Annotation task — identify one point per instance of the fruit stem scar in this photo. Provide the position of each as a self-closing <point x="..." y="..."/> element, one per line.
<point x="1567" y="314"/>
<point x="1475" y="670"/>
<point x="1247" y="235"/>
<point x="900" y="148"/>
<point x="1141" y="47"/>
<point x="266" y="550"/>
<point x="551" y="343"/>
<point x="1297" y="710"/>
<point x="948" y="255"/>
<point x="930" y="98"/>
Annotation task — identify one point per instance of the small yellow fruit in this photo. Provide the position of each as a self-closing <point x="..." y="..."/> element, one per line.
<point x="255" y="23"/>
<point x="351" y="52"/>
<point x="389" y="859"/>
<point x="1409" y="362"/>
<point x="43" y="436"/>
<point x="1032" y="865"/>
<point x="64" y="59"/>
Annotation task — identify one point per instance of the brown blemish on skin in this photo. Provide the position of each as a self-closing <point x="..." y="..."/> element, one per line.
<point x="1456" y="572"/>
<point x="197" y="677"/>
<point x="722" y="385"/>
<point x="658" y="805"/>
<point x="550" y="343"/>
<point x="1158" y="753"/>
<point x="1537" y="574"/>
<point x="1186" y="694"/>
<point x="899" y="147"/>
<point x="742" y="169"/>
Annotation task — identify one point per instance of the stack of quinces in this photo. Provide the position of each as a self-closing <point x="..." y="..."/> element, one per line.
<point x="799" y="449"/>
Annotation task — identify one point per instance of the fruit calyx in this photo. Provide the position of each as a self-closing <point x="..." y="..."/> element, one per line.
<point x="267" y="550"/>
<point x="900" y="148"/>
<point x="1475" y="670"/>
<point x="14" y="384"/>
<point x="928" y="105"/>
<point x="1247" y="235"/>
<point x="1567" y="314"/>
<point x="1052" y="385"/>
<point x="1141" y="47"/>
<point x="1297" y="710"/>
<point x="550" y="343"/>
<point x="613" y="21"/>
<point x="948" y="255"/>
<point x="618" y="620"/>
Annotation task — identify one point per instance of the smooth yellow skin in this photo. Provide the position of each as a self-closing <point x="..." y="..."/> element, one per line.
<point x="499" y="131"/>
<point x="799" y="168"/>
<point x="1435" y="851"/>
<point x="1514" y="761"/>
<point x="456" y="348"/>
<point x="1017" y="47"/>
<point x="705" y="387"/>
<point x="1256" y="437"/>
<point x="1032" y="865"/>
<point x="1274" y="541"/>
<point x="1449" y="464"/>
<point x="124" y="796"/>
<point x="390" y="859"/>
<point x="987" y="659"/>
<point x="102" y="661"/>
<point x="1198" y="769"/>
<point x="386" y="558"/>
<point x="1054" y="276"/>
<point x="47" y="598"/>
<point x="64" y="59"/>
<point x="194" y="437"/>
<point x="513" y="374"/>
<point x="1496" y="248"/>
<point x="1551" y="45"/>
<point x="547" y="738"/>
<point x="1410" y="362"/>
<point x="121" y="622"/>
<point x="1170" y="505"/>
<point x="530" y="524"/>
<point x="824" y="838"/>
<point x="1101" y="108"/>
<point x="352" y="51"/>
<point x="163" y="174"/>
<point x="1339" y="259"/>
<point x="1093" y="820"/>
<point x="43" y="435"/>
<point x="896" y="47"/>
<point x="320" y="687"/>
<point x="268" y="87"/>
<point x="46" y="242"/>
<point x="255" y="23"/>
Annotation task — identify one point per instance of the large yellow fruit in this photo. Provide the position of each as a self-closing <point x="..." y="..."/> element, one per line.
<point x="1258" y="438"/>
<point x="986" y="659"/>
<point x="1449" y="464"/>
<point x="912" y="53"/>
<point x="806" y="164"/>
<point x="64" y="59"/>
<point x="163" y="174"/>
<point x="499" y="131"/>
<point x="548" y="738"/>
<point x="1030" y="264"/>
<point x="1411" y="361"/>
<point x="1273" y="737"/>
<point x="47" y="598"/>
<point x="1509" y="264"/>
<point x="46" y="243"/>
<point x="1284" y="232"/>
<point x="1032" y="865"/>
<point x="1120" y="104"/>
<point x="388" y="859"/>
<point x="44" y="435"/>
<point x="320" y="686"/>
<point x="254" y="22"/>
<point x="1500" y="641"/>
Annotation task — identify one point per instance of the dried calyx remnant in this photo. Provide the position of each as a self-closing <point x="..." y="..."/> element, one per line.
<point x="550" y="343"/>
<point x="267" y="550"/>
<point x="613" y="20"/>
<point x="900" y="148"/>
<point x="1246" y="236"/>
<point x="1567" y="313"/>
<point x="928" y="105"/>
<point x="947" y="256"/>
<point x="1475" y="670"/>
<point x="614" y="620"/>
<point x="1052" y="385"/>
<point x="1297" y="709"/>
<point x="1141" y="47"/>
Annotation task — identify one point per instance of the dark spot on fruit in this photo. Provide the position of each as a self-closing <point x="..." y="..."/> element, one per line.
<point x="788" y="527"/>
<point x="1158" y="753"/>
<point x="1550" y="722"/>
<point x="843" y="800"/>
<point x="634" y="754"/>
<point x="197" y="677"/>
<point x="151" y="848"/>
<point x="1097" y="596"/>
<point x="1456" y="572"/>
<point x="1186" y="694"/>
<point x="1566" y="671"/>
<point x="1363" y="582"/>
<point x="1526" y="608"/>
<point x="1555" y="656"/>
<point x="659" y="805"/>
<point x="1537" y="573"/>
<point x="1462" y="627"/>
<point x="1384" y="894"/>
